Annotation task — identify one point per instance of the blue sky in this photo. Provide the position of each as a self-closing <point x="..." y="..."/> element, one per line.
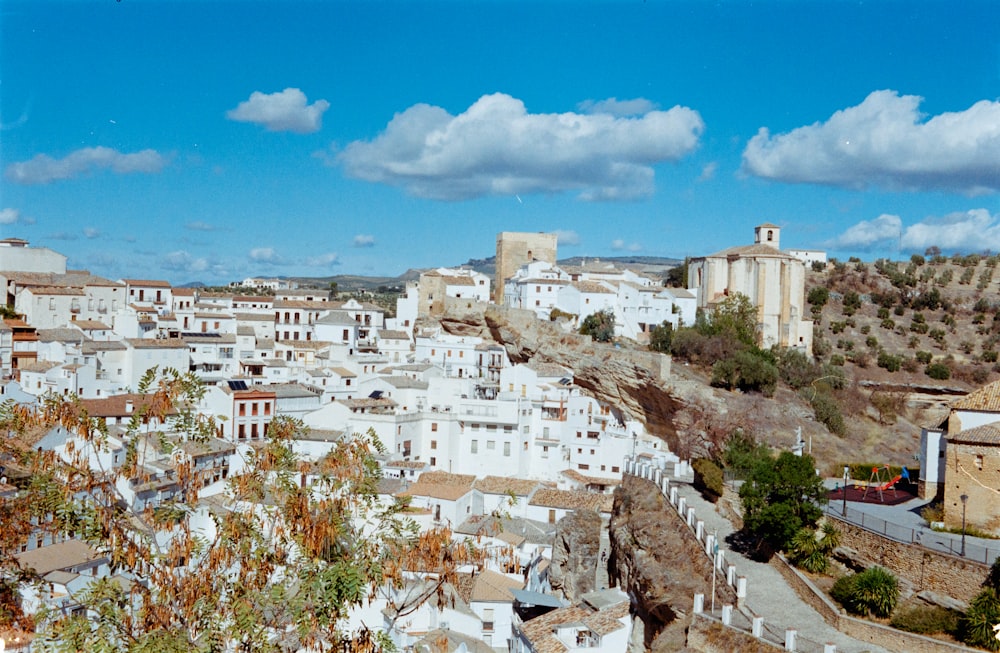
<point x="214" y="140"/>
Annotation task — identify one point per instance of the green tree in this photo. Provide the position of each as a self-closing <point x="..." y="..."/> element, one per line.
<point x="976" y="626"/>
<point x="811" y="550"/>
<point x="734" y="316"/>
<point x="817" y="297"/>
<point x="851" y="303"/>
<point x="742" y="452"/>
<point x="780" y="497"/>
<point x="677" y="276"/>
<point x="873" y="591"/>
<point x="600" y="326"/>
<point x="274" y="568"/>
<point x="661" y="337"/>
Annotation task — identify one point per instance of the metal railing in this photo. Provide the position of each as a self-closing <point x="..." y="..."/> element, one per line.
<point x="950" y="543"/>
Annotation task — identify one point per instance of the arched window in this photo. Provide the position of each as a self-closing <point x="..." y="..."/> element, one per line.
<point x="770" y="235"/>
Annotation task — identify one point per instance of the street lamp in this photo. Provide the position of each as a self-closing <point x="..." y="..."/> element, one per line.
<point x="965" y="500"/>
<point x="847" y="470"/>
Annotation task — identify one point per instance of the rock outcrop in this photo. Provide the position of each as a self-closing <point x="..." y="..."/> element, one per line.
<point x="633" y="380"/>
<point x="658" y="563"/>
<point x="575" y="551"/>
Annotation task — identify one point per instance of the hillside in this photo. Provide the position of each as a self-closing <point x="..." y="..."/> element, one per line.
<point x="942" y="311"/>
<point x="882" y="325"/>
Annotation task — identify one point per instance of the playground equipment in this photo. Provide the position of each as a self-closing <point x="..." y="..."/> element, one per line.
<point x="876" y="481"/>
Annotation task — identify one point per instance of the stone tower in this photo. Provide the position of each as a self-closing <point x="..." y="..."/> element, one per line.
<point x="515" y="249"/>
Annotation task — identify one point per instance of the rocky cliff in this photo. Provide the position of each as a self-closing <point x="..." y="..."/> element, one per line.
<point x="675" y="402"/>
<point x="658" y="564"/>
<point x="575" y="551"/>
<point x="633" y="380"/>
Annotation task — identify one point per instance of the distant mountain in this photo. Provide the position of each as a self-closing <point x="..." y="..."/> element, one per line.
<point x="654" y="265"/>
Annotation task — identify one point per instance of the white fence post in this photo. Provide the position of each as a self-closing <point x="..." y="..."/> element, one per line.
<point x="757" y="627"/>
<point x="727" y="615"/>
<point x="673" y="497"/>
<point x="681" y="505"/>
<point x="731" y="576"/>
<point x="790" y="634"/>
<point x="709" y="543"/>
<point x="699" y="530"/>
<point x="741" y="587"/>
<point x="699" y="603"/>
<point x="829" y="647"/>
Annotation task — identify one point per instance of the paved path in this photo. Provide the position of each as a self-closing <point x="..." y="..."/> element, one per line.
<point x="769" y="595"/>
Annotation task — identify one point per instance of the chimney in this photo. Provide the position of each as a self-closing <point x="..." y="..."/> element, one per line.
<point x="128" y="406"/>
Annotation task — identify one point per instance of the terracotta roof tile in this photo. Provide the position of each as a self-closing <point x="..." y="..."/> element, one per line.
<point x="572" y="500"/>
<point x="448" y="478"/>
<point x="502" y="485"/>
<point x="986" y="398"/>
<point x="985" y="434"/>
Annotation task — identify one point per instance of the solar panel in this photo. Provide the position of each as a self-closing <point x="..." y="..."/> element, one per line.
<point x="237" y="385"/>
<point x="376" y="394"/>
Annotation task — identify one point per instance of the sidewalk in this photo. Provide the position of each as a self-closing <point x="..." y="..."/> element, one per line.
<point x="768" y="594"/>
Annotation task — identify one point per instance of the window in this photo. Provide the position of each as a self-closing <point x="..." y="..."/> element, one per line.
<point x="475" y="446"/>
<point x="434" y="444"/>
<point x="491" y="445"/>
<point x="488" y="619"/>
<point x="243" y="409"/>
<point x="242" y="431"/>
<point x="506" y="449"/>
<point x="615" y="469"/>
<point x="267" y="408"/>
<point x="434" y="461"/>
<point x="583" y="466"/>
<point x="434" y="427"/>
<point x="253" y="408"/>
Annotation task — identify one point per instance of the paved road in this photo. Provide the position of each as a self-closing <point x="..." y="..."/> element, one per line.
<point x="904" y="523"/>
<point x="769" y="595"/>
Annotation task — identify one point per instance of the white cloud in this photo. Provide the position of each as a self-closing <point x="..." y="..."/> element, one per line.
<point x="885" y="141"/>
<point x="615" y="107"/>
<point x="182" y="261"/>
<point x="364" y="240"/>
<point x="566" y="237"/>
<point x="870" y="234"/>
<point x="708" y="172"/>
<point x="265" y="255"/>
<point x="43" y="169"/>
<point x="285" y="111"/>
<point x="496" y="147"/>
<point x="91" y="232"/>
<point x="9" y="216"/>
<point x="967" y="231"/>
<point x="198" y="225"/>
<point x="620" y="245"/>
<point x="323" y="260"/>
<point x="268" y="256"/>
<point x="975" y="230"/>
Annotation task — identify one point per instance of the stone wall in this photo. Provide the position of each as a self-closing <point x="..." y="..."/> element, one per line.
<point x="924" y="568"/>
<point x="859" y="629"/>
